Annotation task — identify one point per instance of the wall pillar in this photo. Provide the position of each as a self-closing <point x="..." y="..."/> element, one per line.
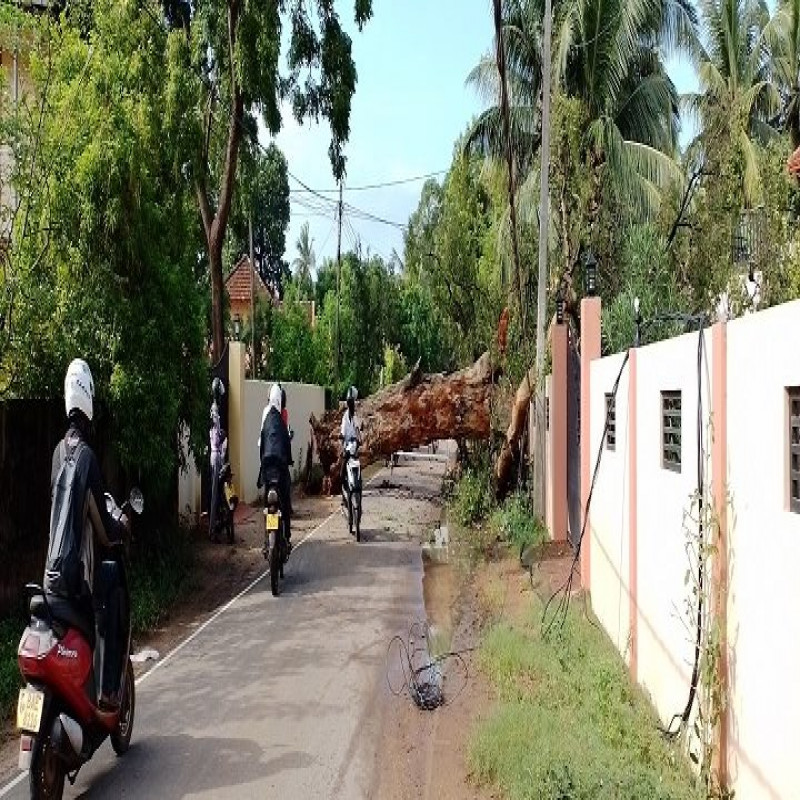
<point x="720" y="577"/>
<point x="590" y="351"/>
<point x="558" y="432"/>
<point x="633" y="564"/>
<point x="236" y="367"/>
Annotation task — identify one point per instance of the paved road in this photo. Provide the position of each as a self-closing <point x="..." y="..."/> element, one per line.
<point x="283" y="697"/>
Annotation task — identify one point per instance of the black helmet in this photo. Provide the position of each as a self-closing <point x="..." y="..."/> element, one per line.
<point x="217" y="388"/>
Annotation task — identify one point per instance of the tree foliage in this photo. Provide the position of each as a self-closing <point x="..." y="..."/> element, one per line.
<point x="263" y="193"/>
<point x="102" y="259"/>
<point x="225" y="56"/>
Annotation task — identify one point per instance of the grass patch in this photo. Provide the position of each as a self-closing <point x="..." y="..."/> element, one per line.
<point x="159" y="573"/>
<point x="570" y="725"/>
<point x="10" y="633"/>
<point x="472" y="499"/>
<point x="515" y="523"/>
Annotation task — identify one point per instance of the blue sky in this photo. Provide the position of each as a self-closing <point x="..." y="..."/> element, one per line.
<point x="410" y="106"/>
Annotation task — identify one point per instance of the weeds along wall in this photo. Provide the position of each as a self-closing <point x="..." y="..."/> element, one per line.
<point x="643" y="533"/>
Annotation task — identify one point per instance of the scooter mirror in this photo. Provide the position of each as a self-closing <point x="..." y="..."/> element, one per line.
<point x="137" y="500"/>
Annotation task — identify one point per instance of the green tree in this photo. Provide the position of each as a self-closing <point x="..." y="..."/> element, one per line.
<point x="224" y="71"/>
<point x="294" y="349"/>
<point x="305" y="263"/>
<point x="263" y="194"/>
<point x="102" y="262"/>
<point x="782" y="35"/>
<point x="737" y="97"/>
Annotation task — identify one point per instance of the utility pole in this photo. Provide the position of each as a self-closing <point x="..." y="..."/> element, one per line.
<point x="252" y="300"/>
<point x="338" y="288"/>
<point x="541" y="296"/>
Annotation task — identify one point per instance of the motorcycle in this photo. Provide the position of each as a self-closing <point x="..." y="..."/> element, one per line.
<point x="276" y="548"/>
<point x="351" y="488"/>
<point x="61" y="658"/>
<point x="228" y="500"/>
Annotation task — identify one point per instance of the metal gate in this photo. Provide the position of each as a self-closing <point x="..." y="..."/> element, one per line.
<point x="573" y="440"/>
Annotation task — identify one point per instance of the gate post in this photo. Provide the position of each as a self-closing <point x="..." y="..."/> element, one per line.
<point x="558" y="432"/>
<point x="590" y="350"/>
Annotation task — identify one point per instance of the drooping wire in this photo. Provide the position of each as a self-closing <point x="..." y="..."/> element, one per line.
<point x="566" y="587"/>
<point x="682" y="717"/>
<point x="424" y="676"/>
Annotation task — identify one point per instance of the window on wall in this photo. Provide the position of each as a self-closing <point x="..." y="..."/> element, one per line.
<point x="671" y="431"/>
<point x="611" y="423"/>
<point x="794" y="449"/>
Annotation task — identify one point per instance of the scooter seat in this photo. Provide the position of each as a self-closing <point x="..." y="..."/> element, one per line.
<point x="64" y="612"/>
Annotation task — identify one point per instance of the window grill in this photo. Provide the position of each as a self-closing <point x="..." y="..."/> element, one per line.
<point x="671" y="431"/>
<point x="611" y="423"/>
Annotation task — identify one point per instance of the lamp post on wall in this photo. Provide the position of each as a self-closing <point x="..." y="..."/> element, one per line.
<point x="559" y="307"/>
<point x="591" y="275"/>
<point x="638" y="320"/>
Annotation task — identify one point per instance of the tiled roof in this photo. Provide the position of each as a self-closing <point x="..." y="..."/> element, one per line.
<point x="237" y="284"/>
<point x="793" y="164"/>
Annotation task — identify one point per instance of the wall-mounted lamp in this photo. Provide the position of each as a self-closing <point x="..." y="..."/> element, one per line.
<point x="236" y="328"/>
<point x="591" y="275"/>
<point x="559" y="307"/>
<point x="638" y="318"/>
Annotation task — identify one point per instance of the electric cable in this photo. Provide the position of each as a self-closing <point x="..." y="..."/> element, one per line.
<point x="423" y="675"/>
<point x="566" y="586"/>
<point x="682" y="717"/>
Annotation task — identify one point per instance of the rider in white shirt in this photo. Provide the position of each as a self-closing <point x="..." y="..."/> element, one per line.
<point x="351" y="426"/>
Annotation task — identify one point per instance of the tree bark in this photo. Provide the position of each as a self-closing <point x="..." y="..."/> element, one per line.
<point x="414" y="412"/>
<point x="215" y="224"/>
<point x="508" y="455"/>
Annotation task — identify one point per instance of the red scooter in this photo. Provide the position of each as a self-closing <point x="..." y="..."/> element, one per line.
<point x="61" y="658"/>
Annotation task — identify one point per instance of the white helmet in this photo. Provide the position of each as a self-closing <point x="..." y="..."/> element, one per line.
<point x="275" y="396"/>
<point x="79" y="388"/>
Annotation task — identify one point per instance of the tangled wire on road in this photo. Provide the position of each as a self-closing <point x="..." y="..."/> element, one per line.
<point x="423" y="675"/>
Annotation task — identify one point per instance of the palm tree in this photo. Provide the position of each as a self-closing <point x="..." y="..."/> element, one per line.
<point x="737" y="98"/>
<point x="782" y="36"/>
<point x="306" y="260"/>
<point x="608" y="54"/>
<point x="608" y="58"/>
<point x="522" y="39"/>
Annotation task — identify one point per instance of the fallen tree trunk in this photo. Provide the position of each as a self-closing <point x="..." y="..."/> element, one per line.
<point x="414" y="412"/>
<point x="509" y="455"/>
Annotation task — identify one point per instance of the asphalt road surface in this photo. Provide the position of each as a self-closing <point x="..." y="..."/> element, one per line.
<point x="283" y="697"/>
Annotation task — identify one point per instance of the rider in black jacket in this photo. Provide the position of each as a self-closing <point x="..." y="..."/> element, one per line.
<point x="275" y="454"/>
<point x="81" y="526"/>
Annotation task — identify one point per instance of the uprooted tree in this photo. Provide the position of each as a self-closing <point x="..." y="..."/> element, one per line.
<point x="422" y="409"/>
<point x="414" y="412"/>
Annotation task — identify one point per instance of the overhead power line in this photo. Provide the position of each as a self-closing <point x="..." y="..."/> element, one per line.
<point x="370" y="186"/>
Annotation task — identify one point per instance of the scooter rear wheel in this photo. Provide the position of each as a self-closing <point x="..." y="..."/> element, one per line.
<point x="121" y="738"/>
<point x="48" y="771"/>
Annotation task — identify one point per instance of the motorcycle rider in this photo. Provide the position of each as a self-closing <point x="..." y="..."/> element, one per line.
<point x="351" y="429"/>
<point x="80" y="528"/>
<point x="275" y="455"/>
<point x="219" y="446"/>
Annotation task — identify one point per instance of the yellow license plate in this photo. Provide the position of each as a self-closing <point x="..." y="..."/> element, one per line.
<point x="273" y="522"/>
<point x="29" y="710"/>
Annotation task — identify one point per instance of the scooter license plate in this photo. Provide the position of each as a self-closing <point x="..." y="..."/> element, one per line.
<point x="273" y="522"/>
<point x="29" y="709"/>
